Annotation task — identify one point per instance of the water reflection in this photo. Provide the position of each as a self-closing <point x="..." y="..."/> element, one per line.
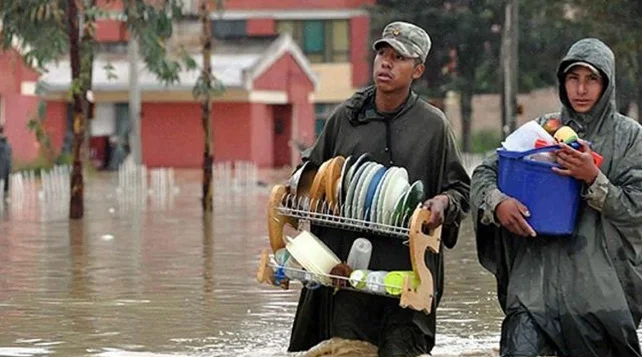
<point x="146" y="277"/>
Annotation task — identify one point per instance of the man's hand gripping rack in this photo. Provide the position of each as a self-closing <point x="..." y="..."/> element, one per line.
<point x="283" y="210"/>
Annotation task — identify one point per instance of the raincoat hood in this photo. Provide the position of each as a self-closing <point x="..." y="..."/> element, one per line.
<point x="600" y="56"/>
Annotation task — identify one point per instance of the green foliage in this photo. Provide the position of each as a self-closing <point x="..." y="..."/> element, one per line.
<point x="545" y="34"/>
<point x="462" y="34"/>
<point x="37" y="127"/>
<point x="37" y="165"/>
<point x="618" y="24"/>
<point x="485" y="140"/>
<point x="207" y="85"/>
<point x="25" y="21"/>
<point x="152" y="26"/>
<point x="202" y="90"/>
<point x="546" y="31"/>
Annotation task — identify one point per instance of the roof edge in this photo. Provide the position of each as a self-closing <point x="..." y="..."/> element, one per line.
<point x="282" y="45"/>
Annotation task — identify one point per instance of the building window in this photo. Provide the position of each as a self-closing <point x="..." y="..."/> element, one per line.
<point x="321" y="40"/>
<point x="228" y="29"/>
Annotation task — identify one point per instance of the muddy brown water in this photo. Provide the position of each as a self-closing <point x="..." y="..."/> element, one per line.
<point x="155" y="279"/>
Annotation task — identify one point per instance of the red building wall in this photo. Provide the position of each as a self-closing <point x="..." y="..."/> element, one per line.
<point x="114" y="31"/>
<point x="172" y="133"/>
<point x="56" y="124"/>
<point x="109" y="5"/>
<point x="360" y="50"/>
<point x="295" y="4"/>
<point x="262" y="135"/>
<point x="16" y="107"/>
<point x="282" y="74"/>
<point x="261" y="27"/>
<point x="111" y="31"/>
<point x="232" y="131"/>
<point x="298" y="87"/>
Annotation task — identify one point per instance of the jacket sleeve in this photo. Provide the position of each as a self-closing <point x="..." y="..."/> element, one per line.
<point x="619" y="197"/>
<point x="485" y="195"/>
<point x="456" y="183"/>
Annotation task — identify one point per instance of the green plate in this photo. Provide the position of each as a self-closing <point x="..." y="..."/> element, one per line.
<point x="393" y="220"/>
<point x="408" y="203"/>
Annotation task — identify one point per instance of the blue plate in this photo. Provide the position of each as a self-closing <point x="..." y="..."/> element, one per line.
<point x="371" y="191"/>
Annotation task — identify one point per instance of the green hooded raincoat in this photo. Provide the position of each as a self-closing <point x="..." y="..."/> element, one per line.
<point x="579" y="295"/>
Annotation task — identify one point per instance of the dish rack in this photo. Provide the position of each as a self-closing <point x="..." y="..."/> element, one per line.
<point x="298" y="212"/>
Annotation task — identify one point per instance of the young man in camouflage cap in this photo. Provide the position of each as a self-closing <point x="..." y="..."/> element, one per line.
<point x="395" y="127"/>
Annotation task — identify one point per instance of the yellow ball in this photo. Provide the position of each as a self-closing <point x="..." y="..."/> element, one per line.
<point x="565" y="135"/>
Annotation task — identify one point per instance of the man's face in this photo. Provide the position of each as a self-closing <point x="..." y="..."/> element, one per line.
<point x="583" y="88"/>
<point x="392" y="71"/>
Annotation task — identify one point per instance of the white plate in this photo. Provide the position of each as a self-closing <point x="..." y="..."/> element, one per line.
<point x="383" y="214"/>
<point x="397" y="187"/>
<point x="347" y="205"/>
<point x="360" y="211"/>
<point x="369" y="167"/>
<point x="358" y="162"/>
<point x="381" y="194"/>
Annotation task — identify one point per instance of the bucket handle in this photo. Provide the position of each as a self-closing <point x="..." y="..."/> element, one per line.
<point x="522" y="154"/>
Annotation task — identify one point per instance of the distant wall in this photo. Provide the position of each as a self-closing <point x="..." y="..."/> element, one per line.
<point x="487" y="110"/>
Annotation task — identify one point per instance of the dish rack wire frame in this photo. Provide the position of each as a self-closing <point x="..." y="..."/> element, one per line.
<point x="312" y="280"/>
<point x="320" y="212"/>
<point x="283" y="207"/>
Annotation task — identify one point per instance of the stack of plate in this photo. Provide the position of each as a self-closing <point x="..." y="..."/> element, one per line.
<point x="368" y="191"/>
<point x="362" y="189"/>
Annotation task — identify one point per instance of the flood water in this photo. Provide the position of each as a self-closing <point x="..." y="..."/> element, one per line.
<point x="156" y="279"/>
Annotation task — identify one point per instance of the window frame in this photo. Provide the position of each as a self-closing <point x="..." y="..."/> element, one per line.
<point x="241" y="23"/>
<point x="329" y="54"/>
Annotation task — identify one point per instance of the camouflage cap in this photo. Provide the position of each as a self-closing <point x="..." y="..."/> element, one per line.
<point x="409" y="40"/>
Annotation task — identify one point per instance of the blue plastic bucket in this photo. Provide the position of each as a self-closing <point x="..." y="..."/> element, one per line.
<point x="552" y="199"/>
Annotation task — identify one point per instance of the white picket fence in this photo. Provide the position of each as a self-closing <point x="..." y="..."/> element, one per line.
<point x="235" y="177"/>
<point x="54" y="184"/>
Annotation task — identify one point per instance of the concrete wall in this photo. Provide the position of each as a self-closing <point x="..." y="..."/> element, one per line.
<point x="487" y="109"/>
<point x="487" y="112"/>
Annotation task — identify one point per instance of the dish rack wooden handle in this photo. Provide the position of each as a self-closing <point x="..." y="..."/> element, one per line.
<point x="420" y="299"/>
<point x="276" y="221"/>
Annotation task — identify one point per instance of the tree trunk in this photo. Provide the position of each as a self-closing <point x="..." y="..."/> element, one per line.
<point x="206" y="109"/>
<point x="508" y="60"/>
<point x="639" y="84"/>
<point x="466" y="106"/>
<point x="76" y="204"/>
<point x="87" y="67"/>
<point x="135" y="138"/>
